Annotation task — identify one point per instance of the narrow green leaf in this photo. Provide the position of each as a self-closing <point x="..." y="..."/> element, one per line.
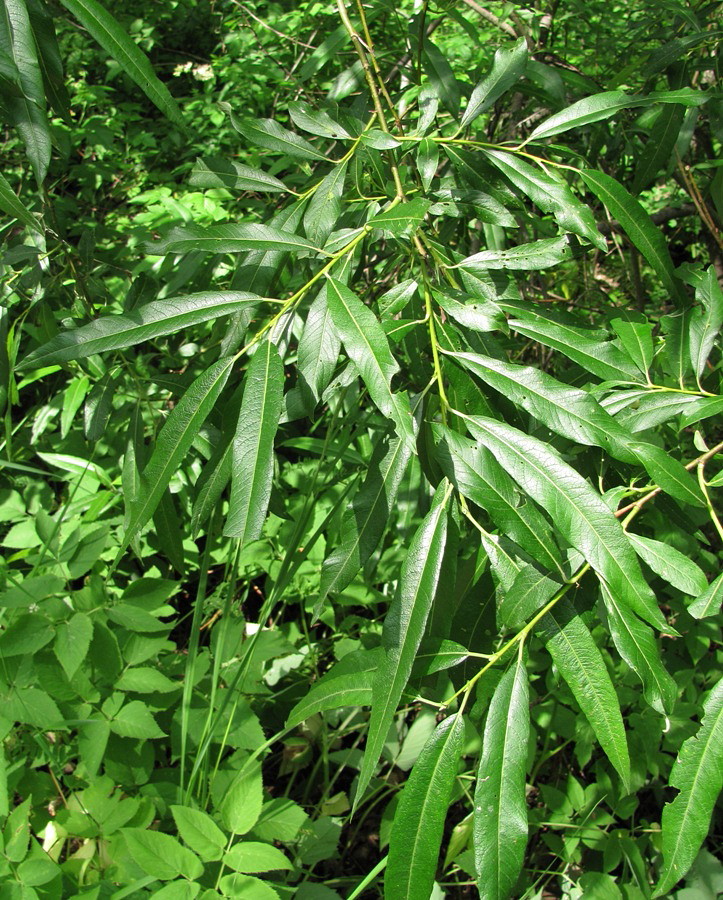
<point x="367" y="345"/>
<point x="253" y="447"/>
<point x="318" y="352"/>
<point x="636" y="644"/>
<point x="508" y="67"/>
<point x="269" y="134"/>
<point x="477" y="314"/>
<point x="659" y="146"/>
<point x="419" y="818"/>
<point x="577" y="510"/>
<point x="638" y="226"/>
<point x="11" y="205"/>
<point x="530" y="591"/>
<point x="49" y="58"/>
<point x="427" y="161"/>
<point x="670" y="564"/>
<point x="636" y="336"/>
<point x="698" y="775"/>
<point x="404" y="628"/>
<point x="366" y="518"/>
<point x="706" y="320"/>
<point x="580" y="663"/>
<point x="316" y="121"/>
<point x="347" y="683"/>
<point x="143" y="324"/>
<point x="215" y="171"/>
<point x="550" y="194"/>
<point x="479" y="477"/>
<point x="500" y="806"/>
<point x="589" y="109"/>
<point x="172" y="444"/>
<point x="441" y="76"/>
<point x="228" y="239"/>
<point x="535" y="255"/>
<point x="668" y="473"/>
<point x="709" y="602"/>
<point x="401" y="217"/>
<point x="325" y="206"/>
<point x="113" y="39"/>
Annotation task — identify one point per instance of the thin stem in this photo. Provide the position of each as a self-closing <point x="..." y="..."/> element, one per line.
<point x="708" y="502"/>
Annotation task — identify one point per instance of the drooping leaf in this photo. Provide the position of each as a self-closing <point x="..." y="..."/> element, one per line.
<point x="215" y="171"/>
<point x="173" y="442"/>
<point x="638" y="226"/>
<point x="659" y="146"/>
<point x="366" y="518"/>
<point x="508" y="66"/>
<point x="636" y="335"/>
<point x="527" y="594"/>
<point x="577" y="510"/>
<point x="698" y="775"/>
<point x="368" y="347"/>
<point x="500" y="806"/>
<point x="672" y="565"/>
<point x="268" y="133"/>
<point x="228" y="239"/>
<point x="419" y="818"/>
<point x="315" y="121"/>
<point x="253" y="448"/>
<point x="589" y="109"/>
<point x="441" y="76"/>
<point x="401" y="217"/>
<point x="325" y="206"/>
<point x="12" y="206"/>
<point x="535" y="255"/>
<point x="706" y="320"/>
<point x="580" y="663"/>
<point x="113" y="39"/>
<point x="404" y="628"/>
<point x="142" y="324"/>
<point x="709" y="602"/>
<point x="635" y="642"/>
<point x="427" y="160"/>
<point x="318" y="351"/>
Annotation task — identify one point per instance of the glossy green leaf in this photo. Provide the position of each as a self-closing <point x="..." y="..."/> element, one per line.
<point x="142" y="324"/>
<point x="636" y="336"/>
<point x="325" y="206"/>
<point x="549" y="194"/>
<point x="419" y="818"/>
<point x="404" y="628"/>
<point x="589" y="109"/>
<point x="530" y="591"/>
<point x="12" y="206"/>
<point x="659" y="146"/>
<point x="698" y="775"/>
<point x="706" y="320"/>
<point x="636" y="644"/>
<point x="479" y="477"/>
<point x="427" y="160"/>
<point x="347" y="683"/>
<point x="577" y="510"/>
<point x="638" y="226"/>
<point x="173" y="443"/>
<point x="315" y="121"/>
<point x="366" y="517"/>
<point x="368" y="347"/>
<point x="668" y="473"/>
<point x="216" y="172"/>
<point x="477" y="314"/>
<point x="527" y="257"/>
<point x="580" y="663"/>
<point x="670" y="564"/>
<point x="441" y="77"/>
<point x="401" y="217"/>
<point x="269" y="134"/>
<point x="436" y="655"/>
<point x="200" y="832"/>
<point x="50" y="60"/>
<point x="253" y="448"/>
<point x="318" y="352"/>
<point x="709" y="602"/>
<point x="228" y="239"/>
<point x="508" y="66"/>
<point x="113" y="39"/>
<point x="500" y="805"/>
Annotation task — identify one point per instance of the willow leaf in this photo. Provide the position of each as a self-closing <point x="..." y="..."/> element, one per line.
<point x="172" y="444"/>
<point x="636" y="644"/>
<point x="508" y="66"/>
<point x="698" y="775"/>
<point x="269" y="134"/>
<point x="366" y="518"/>
<point x="318" y="352"/>
<point x="12" y="206"/>
<point x="114" y="40"/>
<point x="580" y="663"/>
<point x="419" y="819"/>
<point x="577" y="510"/>
<point x="367" y="345"/>
<point x="401" y="217"/>
<point x="500" y="806"/>
<point x="672" y="565"/>
<point x="252" y="465"/>
<point x="404" y="628"/>
<point x="143" y="324"/>
<point x="529" y="592"/>
<point x="706" y="320"/>
<point x="659" y="146"/>
<point x="638" y="226"/>
<point x="348" y="683"/>
<point x="709" y="602"/>
<point x="228" y="239"/>
<point x="589" y="109"/>
<point x="535" y="255"/>
<point x="215" y="171"/>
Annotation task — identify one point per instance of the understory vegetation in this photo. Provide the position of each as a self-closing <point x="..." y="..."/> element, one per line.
<point x="360" y="383"/>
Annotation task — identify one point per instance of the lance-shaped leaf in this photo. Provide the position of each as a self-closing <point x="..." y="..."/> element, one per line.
<point x="173" y="442"/>
<point x="535" y="255"/>
<point x="113" y="39"/>
<point x="318" y="353"/>
<point x="580" y="663"/>
<point x="577" y="510"/>
<point x="659" y="146"/>
<point x="698" y="775"/>
<point x="668" y="473"/>
<point x="672" y="565"/>
<point x="367" y="345"/>
<point x="638" y="226"/>
<point x="315" y="121"/>
<point x="215" y="171"/>
<point x="143" y="324"/>
<point x="12" y="206"/>
<point x="508" y="66"/>
<point x="419" y="819"/>
<point x="479" y="477"/>
<point x="551" y="195"/>
<point x="706" y="320"/>
<point x="404" y="628"/>
<point x="325" y="206"/>
<point x="401" y="217"/>
<point x="366" y="518"/>
<point x="636" y="336"/>
<point x="269" y="134"/>
<point x="589" y="109"/>
<point x="636" y="644"/>
<point x="530" y="591"/>
<point x="228" y="239"/>
<point x="709" y="602"/>
<point x="252" y="466"/>
<point x="500" y="806"/>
